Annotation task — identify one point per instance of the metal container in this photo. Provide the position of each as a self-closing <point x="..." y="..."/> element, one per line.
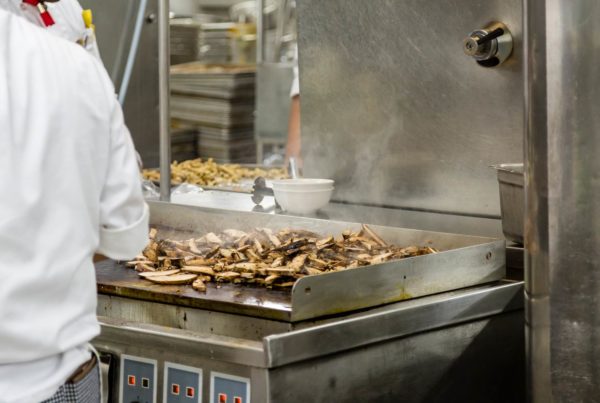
<point x="512" y="200"/>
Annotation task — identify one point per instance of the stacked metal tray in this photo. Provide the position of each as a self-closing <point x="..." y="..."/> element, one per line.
<point x="218" y="100"/>
<point x="199" y="38"/>
<point x="213" y="80"/>
<point x="226" y="133"/>
<point x="213" y="112"/>
<point x="183" y="144"/>
<point x="228" y="151"/>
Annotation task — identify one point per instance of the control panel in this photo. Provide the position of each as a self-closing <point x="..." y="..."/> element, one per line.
<point x="182" y="384"/>
<point x="138" y="380"/>
<point x="229" y="389"/>
<point x="138" y="377"/>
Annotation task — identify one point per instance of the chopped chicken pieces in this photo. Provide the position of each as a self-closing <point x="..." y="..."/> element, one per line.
<point x="209" y="173"/>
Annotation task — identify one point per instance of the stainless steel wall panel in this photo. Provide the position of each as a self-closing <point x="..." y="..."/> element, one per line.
<point x="536" y="210"/>
<point x="563" y="192"/>
<point x="396" y="113"/>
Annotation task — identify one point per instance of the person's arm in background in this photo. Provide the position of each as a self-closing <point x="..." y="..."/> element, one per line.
<point x="294" y="143"/>
<point x="293" y="146"/>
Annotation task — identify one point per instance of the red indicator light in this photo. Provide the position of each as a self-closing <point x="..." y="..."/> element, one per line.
<point x="222" y="398"/>
<point x="237" y="399"/>
<point x="189" y="392"/>
<point x="175" y="389"/>
<point x="131" y="380"/>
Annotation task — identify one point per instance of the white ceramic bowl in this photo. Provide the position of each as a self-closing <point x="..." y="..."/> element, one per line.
<point x="302" y="201"/>
<point x="303" y="184"/>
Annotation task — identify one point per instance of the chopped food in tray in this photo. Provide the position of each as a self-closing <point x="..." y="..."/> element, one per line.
<point x="209" y="173"/>
<point x="263" y="257"/>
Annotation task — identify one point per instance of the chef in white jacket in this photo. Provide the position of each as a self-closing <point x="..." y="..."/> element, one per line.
<point x="63" y="18"/>
<point x="70" y="189"/>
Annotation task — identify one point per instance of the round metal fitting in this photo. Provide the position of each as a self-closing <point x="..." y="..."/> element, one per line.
<point x="489" y="46"/>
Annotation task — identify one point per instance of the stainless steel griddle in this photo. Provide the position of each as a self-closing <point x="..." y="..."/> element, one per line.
<point x="463" y="261"/>
<point x="284" y="345"/>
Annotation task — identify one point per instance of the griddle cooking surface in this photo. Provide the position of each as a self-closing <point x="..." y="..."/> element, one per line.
<point x="115" y="279"/>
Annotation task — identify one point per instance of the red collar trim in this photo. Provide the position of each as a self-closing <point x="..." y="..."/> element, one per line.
<point x="47" y="19"/>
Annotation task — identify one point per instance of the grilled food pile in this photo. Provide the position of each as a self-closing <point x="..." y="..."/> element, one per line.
<point x="262" y="257"/>
<point x="209" y="173"/>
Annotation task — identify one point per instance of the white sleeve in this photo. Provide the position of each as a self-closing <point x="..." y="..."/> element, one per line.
<point x="295" y="84"/>
<point x="123" y="211"/>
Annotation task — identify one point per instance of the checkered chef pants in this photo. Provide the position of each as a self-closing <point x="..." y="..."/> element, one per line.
<point x="86" y="390"/>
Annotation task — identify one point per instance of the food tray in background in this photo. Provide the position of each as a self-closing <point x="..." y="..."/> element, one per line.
<point x="244" y="186"/>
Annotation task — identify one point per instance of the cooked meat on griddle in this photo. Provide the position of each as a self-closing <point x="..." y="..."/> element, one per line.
<point x="263" y="257"/>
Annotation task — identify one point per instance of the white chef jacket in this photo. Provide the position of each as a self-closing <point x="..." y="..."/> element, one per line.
<point x="295" y="83"/>
<point x="70" y="187"/>
<point x="68" y="21"/>
<point x="295" y="91"/>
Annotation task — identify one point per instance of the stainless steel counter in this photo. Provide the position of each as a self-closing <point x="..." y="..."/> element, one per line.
<point x="426" y="349"/>
<point x="463" y="345"/>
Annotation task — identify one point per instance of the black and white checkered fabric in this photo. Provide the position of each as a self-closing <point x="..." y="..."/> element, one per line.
<point x="85" y="391"/>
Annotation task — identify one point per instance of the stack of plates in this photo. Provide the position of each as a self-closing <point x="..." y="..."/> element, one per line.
<point x="217" y="100"/>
